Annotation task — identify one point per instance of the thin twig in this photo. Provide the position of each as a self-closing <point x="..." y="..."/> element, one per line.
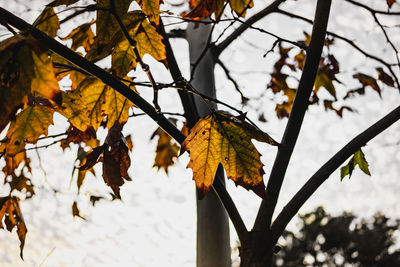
<point x="164" y="113"/>
<point x="228" y="75"/>
<point x="351" y="43"/>
<point x="373" y="10"/>
<point x="144" y="66"/>
<point x="396" y="52"/>
<point x="231" y="209"/>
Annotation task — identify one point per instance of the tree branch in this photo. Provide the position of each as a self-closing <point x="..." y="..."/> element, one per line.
<point x="229" y="76"/>
<point x="373" y="11"/>
<point x="189" y="107"/>
<point x="306" y="84"/>
<point x="250" y="21"/>
<point x="308" y="189"/>
<point x="231" y="209"/>
<point x="192" y="117"/>
<point x="95" y="70"/>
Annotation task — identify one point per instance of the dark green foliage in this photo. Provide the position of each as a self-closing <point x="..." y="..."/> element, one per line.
<point x="345" y="240"/>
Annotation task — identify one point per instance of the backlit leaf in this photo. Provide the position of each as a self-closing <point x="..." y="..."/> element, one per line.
<point x="106" y="24"/>
<point x="117" y="108"/>
<point x="100" y="100"/>
<point x="74" y="109"/>
<point x="24" y="68"/>
<point x="150" y="42"/>
<point x="323" y="79"/>
<point x="151" y="8"/>
<point x="45" y="81"/>
<point x="240" y="6"/>
<point x="81" y="36"/>
<point x="92" y="93"/>
<point x="11" y="216"/>
<point x="219" y="139"/>
<point x="31" y="123"/>
<point x="48" y="22"/>
<point x="123" y="58"/>
<point x="357" y="159"/>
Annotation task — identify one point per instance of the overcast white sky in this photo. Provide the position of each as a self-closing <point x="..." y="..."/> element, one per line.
<point x="154" y="225"/>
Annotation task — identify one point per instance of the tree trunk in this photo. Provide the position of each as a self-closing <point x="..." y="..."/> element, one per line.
<point x="213" y="245"/>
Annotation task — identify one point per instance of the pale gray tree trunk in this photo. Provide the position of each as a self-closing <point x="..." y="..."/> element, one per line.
<point x="213" y="246"/>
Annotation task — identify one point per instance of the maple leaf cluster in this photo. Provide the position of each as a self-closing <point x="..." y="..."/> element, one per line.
<point x="31" y="95"/>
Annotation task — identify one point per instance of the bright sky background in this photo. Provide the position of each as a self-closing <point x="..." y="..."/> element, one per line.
<point x="154" y="225"/>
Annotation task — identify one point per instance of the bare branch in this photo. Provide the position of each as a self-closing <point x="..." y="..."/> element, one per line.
<point x="231" y="209"/>
<point x="373" y="11"/>
<point x="309" y="188"/>
<point x="295" y="120"/>
<point x="228" y="75"/>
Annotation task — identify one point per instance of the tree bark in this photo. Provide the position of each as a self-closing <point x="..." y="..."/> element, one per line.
<point x="213" y="245"/>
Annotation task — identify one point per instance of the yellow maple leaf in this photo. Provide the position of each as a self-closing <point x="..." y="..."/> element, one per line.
<point x="48" y="22"/>
<point x="100" y="100"/>
<point x="149" y="41"/>
<point x="223" y="139"/>
<point x="24" y="69"/>
<point x="123" y="58"/>
<point x="44" y="81"/>
<point x="117" y="107"/>
<point x="81" y="36"/>
<point x="151" y="8"/>
<point x="240" y="6"/>
<point x="73" y="108"/>
<point x="29" y="124"/>
<point x="106" y="24"/>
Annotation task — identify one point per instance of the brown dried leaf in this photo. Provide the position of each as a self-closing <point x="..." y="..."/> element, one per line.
<point x="166" y="150"/>
<point x="367" y="80"/>
<point x="10" y="212"/>
<point x="75" y="211"/>
<point x="93" y="157"/>
<point x="384" y="77"/>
